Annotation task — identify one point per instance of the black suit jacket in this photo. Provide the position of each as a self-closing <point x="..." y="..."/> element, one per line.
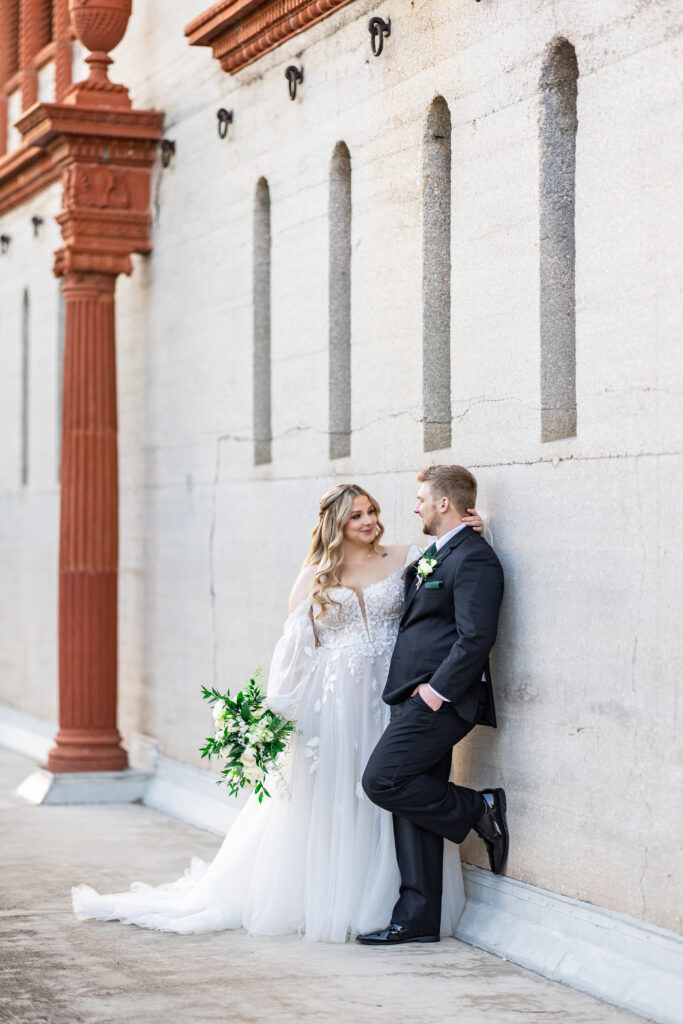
<point x="446" y="631"/>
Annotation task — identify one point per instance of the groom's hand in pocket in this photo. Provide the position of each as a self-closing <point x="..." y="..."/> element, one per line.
<point x="428" y="696"/>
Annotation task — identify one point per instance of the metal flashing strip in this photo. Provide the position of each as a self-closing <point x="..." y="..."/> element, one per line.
<point x="619" y="959"/>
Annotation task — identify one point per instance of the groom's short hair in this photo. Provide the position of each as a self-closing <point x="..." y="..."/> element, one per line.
<point x="453" y="482"/>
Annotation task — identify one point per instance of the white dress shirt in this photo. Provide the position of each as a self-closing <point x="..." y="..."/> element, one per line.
<point x="447" y="536"/>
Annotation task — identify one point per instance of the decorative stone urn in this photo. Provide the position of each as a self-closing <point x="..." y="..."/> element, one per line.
<point x="100" y="25"/>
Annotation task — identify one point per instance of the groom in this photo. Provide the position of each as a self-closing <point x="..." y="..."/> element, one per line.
<point x="439" y="688"/>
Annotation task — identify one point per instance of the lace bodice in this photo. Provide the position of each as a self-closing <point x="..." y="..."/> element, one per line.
<point x="367" y="618"/>
<point x="358" y="631"/>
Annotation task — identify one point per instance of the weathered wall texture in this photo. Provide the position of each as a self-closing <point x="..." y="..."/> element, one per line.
<point x="588" y="528"/>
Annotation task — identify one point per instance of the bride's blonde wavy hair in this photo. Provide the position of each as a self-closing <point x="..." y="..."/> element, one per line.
<point x="334" y="513"/>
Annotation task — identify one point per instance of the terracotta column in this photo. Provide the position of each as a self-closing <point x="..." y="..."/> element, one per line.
<point x="88" y="739"/>
<point x="105" y="150"/>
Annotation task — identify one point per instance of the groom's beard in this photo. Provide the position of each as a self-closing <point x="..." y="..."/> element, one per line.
<point x="428" y="528"/>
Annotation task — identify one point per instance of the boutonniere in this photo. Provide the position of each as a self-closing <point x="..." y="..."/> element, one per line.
<point x="425" y="568"/>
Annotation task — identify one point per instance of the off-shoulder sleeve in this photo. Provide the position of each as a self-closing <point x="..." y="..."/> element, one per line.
<point x="414" y="553"/>
<point x="293" y="663"/>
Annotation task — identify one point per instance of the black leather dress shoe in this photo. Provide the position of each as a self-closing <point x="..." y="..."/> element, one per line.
<point x="493" y="828"/>
<point x="393" y="935"/>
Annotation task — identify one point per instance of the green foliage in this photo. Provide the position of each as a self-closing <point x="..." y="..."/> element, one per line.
<point x="249" y="736"/>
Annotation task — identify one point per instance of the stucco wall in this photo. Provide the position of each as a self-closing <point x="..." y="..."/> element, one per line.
<point x="589" y="654"/>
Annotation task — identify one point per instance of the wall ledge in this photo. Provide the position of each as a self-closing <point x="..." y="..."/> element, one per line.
<point x="614" y="957"/>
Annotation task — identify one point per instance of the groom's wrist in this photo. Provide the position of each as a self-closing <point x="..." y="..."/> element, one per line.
<point x="437" y="694"/>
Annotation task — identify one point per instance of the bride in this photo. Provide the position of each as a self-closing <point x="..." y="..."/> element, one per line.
<point x="317" y="858"/>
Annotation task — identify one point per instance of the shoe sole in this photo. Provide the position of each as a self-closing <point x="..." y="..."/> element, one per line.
<point x="400" y="942"/>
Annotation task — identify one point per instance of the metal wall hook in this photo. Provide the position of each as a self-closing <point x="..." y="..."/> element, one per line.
<point x="378" y="29"/>
<point x="37" y="224"/>
<point x="294" y="75"/>
<point x="167" y="151"/>
<point x="4" y="243"/>
<point x="225" y="118"/>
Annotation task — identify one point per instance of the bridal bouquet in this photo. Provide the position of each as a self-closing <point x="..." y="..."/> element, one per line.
<point x="248" y="736"/>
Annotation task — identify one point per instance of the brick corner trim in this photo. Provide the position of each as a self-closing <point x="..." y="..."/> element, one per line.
<point x="241" y="31"/>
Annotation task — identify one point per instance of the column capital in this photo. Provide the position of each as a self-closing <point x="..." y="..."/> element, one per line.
<point x="84" y="283"/>
<point x="105" y="161"/>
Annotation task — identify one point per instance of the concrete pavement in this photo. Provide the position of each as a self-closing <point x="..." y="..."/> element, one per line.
<point x="57" y="970"/>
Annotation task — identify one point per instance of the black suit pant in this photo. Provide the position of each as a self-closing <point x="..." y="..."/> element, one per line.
<point x="408" y="774"/>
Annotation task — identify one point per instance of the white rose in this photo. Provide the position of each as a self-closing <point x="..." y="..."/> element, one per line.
<point x="218" y="713"/>
<point x="248" y="758"/>
<point x="253" y="774"/>
<point x="257" y="712"/>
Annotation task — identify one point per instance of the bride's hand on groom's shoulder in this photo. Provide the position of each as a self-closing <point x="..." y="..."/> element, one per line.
<point x="473" y="519"/>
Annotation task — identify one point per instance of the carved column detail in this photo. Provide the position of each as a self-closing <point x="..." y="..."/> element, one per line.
<point x="104" y="152"/>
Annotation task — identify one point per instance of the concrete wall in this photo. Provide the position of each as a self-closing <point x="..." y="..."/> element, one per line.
<point x="588" y="530"/>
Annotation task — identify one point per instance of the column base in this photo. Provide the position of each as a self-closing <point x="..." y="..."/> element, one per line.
<point x="78" y="750"/>
<point x="45" y="787"/>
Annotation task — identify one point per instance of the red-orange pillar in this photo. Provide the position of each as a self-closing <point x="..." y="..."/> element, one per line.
<point x="88" y="739"/>
<point x="105" y="150"/>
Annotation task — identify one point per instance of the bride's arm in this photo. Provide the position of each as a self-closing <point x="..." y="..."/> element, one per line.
<point x="477" y="522"/>
<point x="302" y="587"/>
<point x="474" y="519"/>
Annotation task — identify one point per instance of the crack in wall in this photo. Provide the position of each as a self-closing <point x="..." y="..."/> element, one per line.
<point x="636" y="387"/>
<point x="488" y="401"/>
<point x="325" y="469"/>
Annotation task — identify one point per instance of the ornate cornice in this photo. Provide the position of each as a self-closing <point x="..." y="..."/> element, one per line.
<point x="240" y="31"/>
<point x="45" y="121"/>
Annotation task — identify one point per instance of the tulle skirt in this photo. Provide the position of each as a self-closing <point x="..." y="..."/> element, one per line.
<point x="316" y="858"/>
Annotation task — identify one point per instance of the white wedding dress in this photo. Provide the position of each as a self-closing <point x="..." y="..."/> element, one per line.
<point x="320" y="858"/>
